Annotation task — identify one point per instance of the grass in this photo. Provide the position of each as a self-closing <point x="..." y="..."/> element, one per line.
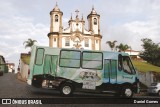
<point x="144" y="66"/>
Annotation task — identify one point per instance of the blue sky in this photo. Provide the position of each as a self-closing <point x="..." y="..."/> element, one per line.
<point x="127" y="21"/>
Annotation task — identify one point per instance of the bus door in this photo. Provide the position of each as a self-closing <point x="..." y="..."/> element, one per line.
<point x="110" y="71"/>
<point x="50" y="64"/>
<point x="38" y="66"/>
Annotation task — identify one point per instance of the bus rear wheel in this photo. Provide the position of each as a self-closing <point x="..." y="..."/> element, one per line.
<point x="66" y="89"/>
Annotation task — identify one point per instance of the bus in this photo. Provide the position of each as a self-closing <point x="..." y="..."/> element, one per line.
<point x="72" y="70"/>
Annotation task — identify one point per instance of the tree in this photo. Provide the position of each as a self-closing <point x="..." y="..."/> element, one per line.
<point x="123" y="48"/>
<point x="151" y="52"/>
<point x="111" y="44"/>
<point x="29" y="43"/>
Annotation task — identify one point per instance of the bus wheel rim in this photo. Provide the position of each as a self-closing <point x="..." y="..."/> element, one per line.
<point x="128" y="92"/>
<point x="66" y="90"/>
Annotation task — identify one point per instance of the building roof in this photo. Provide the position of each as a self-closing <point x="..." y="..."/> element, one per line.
<point x="10" y="64"/>
<point x="131" y="51"/>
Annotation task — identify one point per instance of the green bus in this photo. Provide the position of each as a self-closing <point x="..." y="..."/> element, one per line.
<point x="70" y="70"/>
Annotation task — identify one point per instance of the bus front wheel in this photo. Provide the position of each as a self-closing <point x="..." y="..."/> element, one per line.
<point x="66" y="89"/>
<point x="127" y="92"/>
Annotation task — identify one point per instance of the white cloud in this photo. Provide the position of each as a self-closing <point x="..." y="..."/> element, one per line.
<point x="14" y="31"/>
<point x="131" y="33"/>
<point x="130" y="21"/>
<point x="15" y="28"/>
<point x="127" y="21"/>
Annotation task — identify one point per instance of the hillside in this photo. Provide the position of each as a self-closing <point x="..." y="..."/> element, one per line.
<point x="144" y="66"/>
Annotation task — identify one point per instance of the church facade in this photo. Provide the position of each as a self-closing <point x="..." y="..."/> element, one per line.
<point x="75" y="36"/>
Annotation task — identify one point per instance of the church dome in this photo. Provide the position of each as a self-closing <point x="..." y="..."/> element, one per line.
<point x="93" y="11"/>
<point x="56" y="8"/>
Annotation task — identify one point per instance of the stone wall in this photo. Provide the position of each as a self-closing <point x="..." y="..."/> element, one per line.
<point x="147" y="78"/>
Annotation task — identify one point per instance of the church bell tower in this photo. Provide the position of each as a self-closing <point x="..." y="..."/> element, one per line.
<point x="56" y="19"/>
<point x="93" y="20"/>
<point x="55" y="27"/>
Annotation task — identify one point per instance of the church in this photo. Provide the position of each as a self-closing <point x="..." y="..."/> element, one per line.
<point x="75" y="36"/>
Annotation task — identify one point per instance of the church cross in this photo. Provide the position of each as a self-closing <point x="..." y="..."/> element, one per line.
<point x="77" y="12"/>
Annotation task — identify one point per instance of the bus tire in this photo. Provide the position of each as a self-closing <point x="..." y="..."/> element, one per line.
<point x="66" y="89"/>
<point x="127" y="92"/>
<point x="118" y="95"/>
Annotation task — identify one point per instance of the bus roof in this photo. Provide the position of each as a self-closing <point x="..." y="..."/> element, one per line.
<point x="122" y="53"/>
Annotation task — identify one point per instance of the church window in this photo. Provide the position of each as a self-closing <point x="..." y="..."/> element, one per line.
<point x="96" y="41"/>
<point x="54" y="39"/>
<point x="67" y="42"/>
<point x="95" y="21"/>
<point x="86" y="43"/>
<point x="56" y="18"/>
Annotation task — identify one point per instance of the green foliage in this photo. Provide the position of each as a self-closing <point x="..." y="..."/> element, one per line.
<point x="151" y="52"/>
<point x="123" y="48"/>
<point x="111" y="44"/>
<point x="29" y="43"/>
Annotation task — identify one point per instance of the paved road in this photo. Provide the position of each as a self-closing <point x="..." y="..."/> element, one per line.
<point x="10" y="87"/>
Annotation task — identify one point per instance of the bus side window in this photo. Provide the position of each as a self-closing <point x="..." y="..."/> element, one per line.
<point x="92" y="60"/>
<point x="120" y="62"/>
<point x="39" y="56"/>
<point x="70" y="58"/>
